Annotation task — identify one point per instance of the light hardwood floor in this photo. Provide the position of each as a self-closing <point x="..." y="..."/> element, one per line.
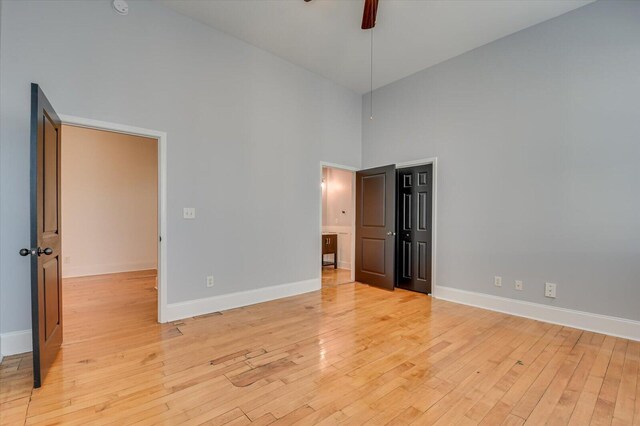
<point x="333" y="277"/>
<point x="348" y="354"/>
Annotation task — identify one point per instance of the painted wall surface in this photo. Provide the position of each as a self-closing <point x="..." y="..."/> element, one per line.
<point x="1" y="231"/>
<point x="246" y="132"/>
<point x="324" y="196"/>
<point x="536" y="136"/>
<point x="338" y="211"/>
<point x="339" y="197"/>
<point x="109" y="202"/>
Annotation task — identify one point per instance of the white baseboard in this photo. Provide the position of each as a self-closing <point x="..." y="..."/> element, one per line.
<point x="341" y="265"/>
<point x="613" y="326"/>
<point x="16" y="342"/>
<point x="69" y="271"/>
<point x="191" y="308"/>
<point x="344" y="265"/>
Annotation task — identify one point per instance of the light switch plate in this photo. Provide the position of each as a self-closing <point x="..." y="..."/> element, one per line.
<point x="189" y="212"/>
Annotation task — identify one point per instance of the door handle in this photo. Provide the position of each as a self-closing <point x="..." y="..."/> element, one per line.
<point x="48" y="251"/>
<point x="391" y="233"/>
<point x="26" y="252"/>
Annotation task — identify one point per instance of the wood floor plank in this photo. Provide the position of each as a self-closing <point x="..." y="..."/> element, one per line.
<point x="566" y="404"/>
<point x="588" y="398"/>
<point x="348" y="354"/>
<point x="605" y="404"/>
<point x="626" y="398"/>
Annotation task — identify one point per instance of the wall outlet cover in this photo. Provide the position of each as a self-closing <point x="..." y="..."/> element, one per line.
<point x="210" y="281"/>
<point x="189" y="213"/>
<point x="550" y="290"/>
<point x="497" y="281"/>
<point x="519" y="285"/>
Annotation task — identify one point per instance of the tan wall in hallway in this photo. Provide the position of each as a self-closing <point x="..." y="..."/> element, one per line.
<point x="337" y="197"/>
<point x="109" y="202"/>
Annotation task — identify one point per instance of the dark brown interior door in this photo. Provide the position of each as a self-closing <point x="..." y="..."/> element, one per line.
<point x="46" y="278"/>
<point x="375" y="226"/>
<point x="414" y="228"/>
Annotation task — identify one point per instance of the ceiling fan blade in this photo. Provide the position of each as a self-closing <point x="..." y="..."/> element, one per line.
<point x="369" y="14"/>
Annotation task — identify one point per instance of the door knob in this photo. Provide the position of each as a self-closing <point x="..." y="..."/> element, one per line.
<point x="26" y="252"/>
<point x="391" y="233"/>
<point x="48" y="251"/>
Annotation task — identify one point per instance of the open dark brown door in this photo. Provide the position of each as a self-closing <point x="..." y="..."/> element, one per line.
<point x="375" y="226"/>
<point x="46" y="278"/>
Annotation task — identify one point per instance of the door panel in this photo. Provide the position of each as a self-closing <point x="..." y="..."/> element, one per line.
<point x="375" y="226"/>
<point x="406" y="216"/>
<point x="406" y="259"/>
<point x="52" y="313"/>
<point x="373" y="256"/>
<point x="422" y="261"/>
<point x="46" y="277"/>
<point x="415" y="225"/>
<point x="423" y="214"/>
<point x="373" y="200"/>
<point x="50" y="178"/>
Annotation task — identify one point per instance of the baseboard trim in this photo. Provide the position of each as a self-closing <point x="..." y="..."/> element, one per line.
<point x="191" y="308"/>
<point x="613" y="326"/>
<point x="16" y="342"/>
<point x="86" y="271"/>
<point x="344" y="265"/>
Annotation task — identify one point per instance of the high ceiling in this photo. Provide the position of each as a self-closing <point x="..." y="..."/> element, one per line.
<point x="324" y="36"/>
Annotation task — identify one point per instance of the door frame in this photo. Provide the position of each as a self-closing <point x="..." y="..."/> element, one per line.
<point x="353" y="171"/>
<point x="161" y="137"/>
<point x="434" y="223"/>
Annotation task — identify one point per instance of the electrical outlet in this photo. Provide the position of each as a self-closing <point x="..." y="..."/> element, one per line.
<point x="497" y="281"/>
<point x="519" y="285"/>
<point x="189" y="213"/>
<point x="210" y="281"/>
<point x="550" y="290"/>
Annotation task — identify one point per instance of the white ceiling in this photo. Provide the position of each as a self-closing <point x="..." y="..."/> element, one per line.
<point x="324" y="36"/>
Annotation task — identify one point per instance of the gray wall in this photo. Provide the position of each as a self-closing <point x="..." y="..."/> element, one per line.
<point x="246" y="132"/>
<point x="537" y="139"/>
<point x="1" y="203"/>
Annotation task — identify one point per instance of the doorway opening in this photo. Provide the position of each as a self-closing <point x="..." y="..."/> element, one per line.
<point x="338" y="216"/>
<point x="110" y="216"/>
